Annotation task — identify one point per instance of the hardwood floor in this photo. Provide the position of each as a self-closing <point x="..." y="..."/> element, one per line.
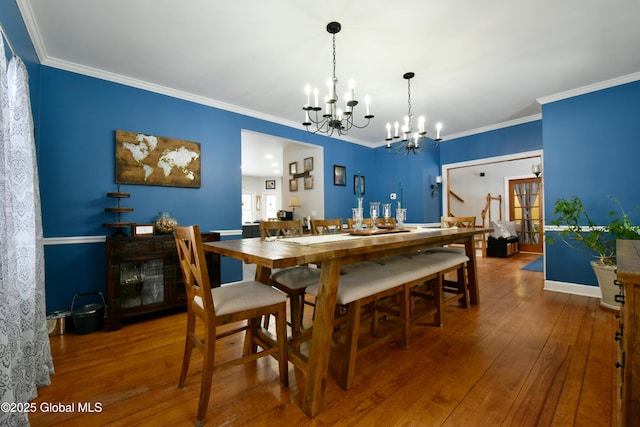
<point x="522" y="357"/>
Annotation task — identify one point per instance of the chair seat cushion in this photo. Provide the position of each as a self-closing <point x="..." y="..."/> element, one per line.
<point x="245" y="295"/>
<point x="296" y="277"/>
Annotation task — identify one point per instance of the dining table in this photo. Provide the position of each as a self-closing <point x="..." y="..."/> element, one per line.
<point x="330" y="252"/>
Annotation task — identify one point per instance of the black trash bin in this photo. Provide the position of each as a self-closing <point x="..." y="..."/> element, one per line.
<point x="87" y="318"/>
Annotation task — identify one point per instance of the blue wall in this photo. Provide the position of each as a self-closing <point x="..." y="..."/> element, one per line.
<point x="591" y="150"/>
<point x="500" y="142"/>
<point x="76" y="117"/>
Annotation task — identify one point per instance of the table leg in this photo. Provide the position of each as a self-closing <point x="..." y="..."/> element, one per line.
<point x="470" y="249"/>
<point x="318" y="366"/>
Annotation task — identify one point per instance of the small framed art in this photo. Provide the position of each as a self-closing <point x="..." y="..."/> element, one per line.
<point x="293" y="185"/>
<point x="308" y="182"/>
<point x="308" y="164"/>
<point x="270" y="184"/>
<point x="141" y="230"/>
<point x="293" y="168"/>
<point x="355" y="184"/>
<point x="339" y="175"/>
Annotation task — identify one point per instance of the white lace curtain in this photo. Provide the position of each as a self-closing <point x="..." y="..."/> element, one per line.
<point x="25" y="355"/>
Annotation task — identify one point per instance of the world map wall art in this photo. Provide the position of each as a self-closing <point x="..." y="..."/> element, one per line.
<point x="156" y="160"/>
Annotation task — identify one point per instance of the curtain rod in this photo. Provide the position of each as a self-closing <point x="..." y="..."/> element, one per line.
<point x="6" y="38"/>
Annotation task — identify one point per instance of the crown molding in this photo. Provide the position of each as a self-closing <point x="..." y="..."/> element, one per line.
<point x="589" y="88"/>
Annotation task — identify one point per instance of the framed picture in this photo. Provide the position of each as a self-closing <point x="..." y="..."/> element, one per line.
<point x="143" y="229"/>
<point x="308" y="164"/>
<point x="270" y="184"/>
<point x="308" y="182"/>
<point x="356" y="183"/>
<point x="293" y="168"/>
<point x="142" y="159"/>
<point x="293" y="185"/>
<point x="339" y="175"/>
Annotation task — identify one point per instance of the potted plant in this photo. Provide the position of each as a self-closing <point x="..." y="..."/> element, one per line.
<point x="599" y="240"/>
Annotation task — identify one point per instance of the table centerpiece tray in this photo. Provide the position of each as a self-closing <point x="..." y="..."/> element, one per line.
<point x="369" y="232"/>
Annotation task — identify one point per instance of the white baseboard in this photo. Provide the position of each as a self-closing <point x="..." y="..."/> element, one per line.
<point x="572" y="288"/>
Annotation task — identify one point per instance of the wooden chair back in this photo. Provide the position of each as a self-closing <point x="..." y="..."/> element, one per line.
<point x="290" y="228"/>
<point x="458" y="221"/>
<point x="195" y="273"/>
<point x="380" y="221"/>
<point x="326" y="226"/>
<point x="365" y="221"/>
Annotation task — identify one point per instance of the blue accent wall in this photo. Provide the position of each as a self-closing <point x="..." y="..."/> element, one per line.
<point x="591" y="150"/>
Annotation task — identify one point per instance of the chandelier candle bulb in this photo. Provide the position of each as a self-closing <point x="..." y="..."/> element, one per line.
<point x="307" y="91"/>
<point x="315" y="94"/>
<point x="388" y="132"/>
<point x="396" y="125"/>
<point x="367" y="103"/>
<point x="421" y="121"/>
<point x="438" y="128"/>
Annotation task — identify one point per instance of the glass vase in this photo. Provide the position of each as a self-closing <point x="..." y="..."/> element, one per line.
<point x="165" y="222"/>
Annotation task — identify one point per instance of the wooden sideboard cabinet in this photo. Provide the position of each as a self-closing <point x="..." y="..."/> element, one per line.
<point x="144" y="276"/>
<point x="628" y="336"/>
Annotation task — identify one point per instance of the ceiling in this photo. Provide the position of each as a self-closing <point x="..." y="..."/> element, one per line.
<point x="477" y="64"/>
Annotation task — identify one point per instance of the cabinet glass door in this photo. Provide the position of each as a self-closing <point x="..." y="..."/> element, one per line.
<point x="141" y="283"/>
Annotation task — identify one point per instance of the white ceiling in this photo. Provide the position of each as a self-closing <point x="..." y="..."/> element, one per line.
<point x="478" y="63"/>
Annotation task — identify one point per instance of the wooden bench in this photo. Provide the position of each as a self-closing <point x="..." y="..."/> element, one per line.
<point x="394" y="276"/>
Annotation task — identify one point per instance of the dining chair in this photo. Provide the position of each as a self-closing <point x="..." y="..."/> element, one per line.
<point x="453" y="290"/>
<point x="291" y="280"/>
<point x="382" y="222"/>
<point x="458" y="221"/>
<point x="244" y="302"/>
<point x="365" y="221"/>
<point x="326" y="226"/>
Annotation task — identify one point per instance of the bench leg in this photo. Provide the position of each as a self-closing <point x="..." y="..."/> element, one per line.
<point x="350" y="345"/>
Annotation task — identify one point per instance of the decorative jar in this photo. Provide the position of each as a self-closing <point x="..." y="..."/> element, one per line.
<point x="165" y="222"/>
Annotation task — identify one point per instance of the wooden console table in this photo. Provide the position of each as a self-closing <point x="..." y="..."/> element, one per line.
<point x="144" y="275"/>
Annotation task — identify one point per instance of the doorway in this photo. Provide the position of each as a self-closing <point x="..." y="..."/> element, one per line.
<point x="525" y="208"/>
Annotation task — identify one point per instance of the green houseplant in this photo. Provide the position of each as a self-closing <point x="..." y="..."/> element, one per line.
<point x="578" y="229"/>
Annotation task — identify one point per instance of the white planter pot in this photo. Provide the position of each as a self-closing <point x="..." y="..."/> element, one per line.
<point x="606" y="275"/>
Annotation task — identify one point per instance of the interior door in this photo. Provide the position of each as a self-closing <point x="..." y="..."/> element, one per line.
<point x="525" y="207"/>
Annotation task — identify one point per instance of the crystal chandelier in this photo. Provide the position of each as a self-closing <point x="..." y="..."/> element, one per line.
<point x="334" y="119"/>
<point x="412" y="141"/>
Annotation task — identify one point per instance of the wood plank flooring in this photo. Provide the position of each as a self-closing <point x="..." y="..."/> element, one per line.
<point x="523" y="357"/>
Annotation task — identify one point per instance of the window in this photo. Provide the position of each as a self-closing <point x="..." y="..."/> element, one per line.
<point x="271" y="205"/>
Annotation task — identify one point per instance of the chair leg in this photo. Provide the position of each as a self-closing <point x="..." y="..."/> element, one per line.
<point x="205" y="383"/>
<point x="281" y="337"/>
<point x="462" y="286"/>
<point x="296" y="313"/>
<point x="350" y="345"/>
<point x="438" y="297"/>
<point x="188" y="346"/>
<point x="405" y="315"/>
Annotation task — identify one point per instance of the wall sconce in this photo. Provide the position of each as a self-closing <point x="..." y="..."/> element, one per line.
<point x="537" y="170"/>
<point x="435" y="188"/>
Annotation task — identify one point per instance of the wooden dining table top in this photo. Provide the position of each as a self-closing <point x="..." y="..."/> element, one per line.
<point x="330" y="253"/>
<point x="280" y="253"/>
